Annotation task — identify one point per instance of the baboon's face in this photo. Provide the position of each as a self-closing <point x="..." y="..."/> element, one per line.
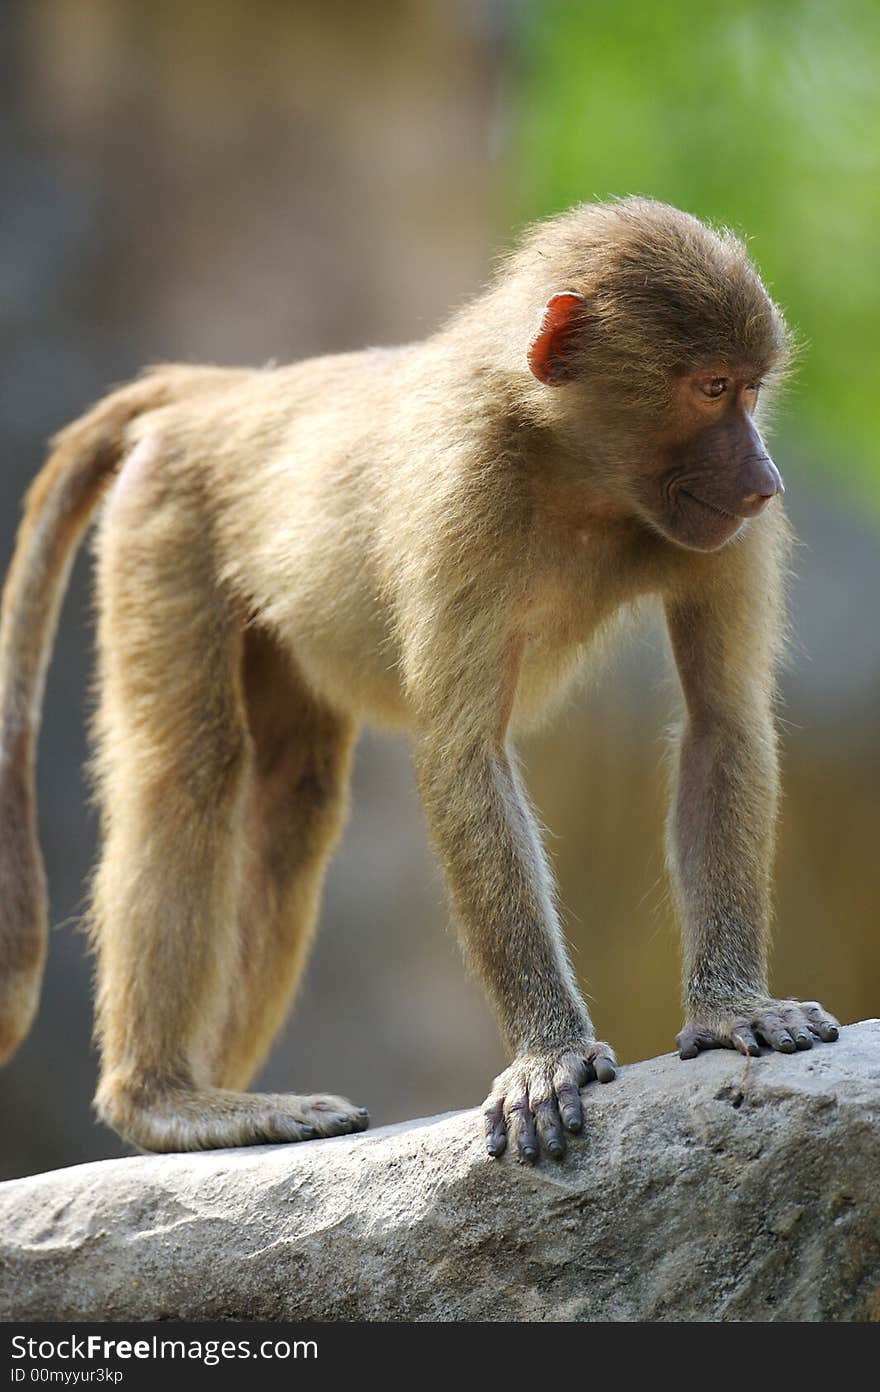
<point x="676" y="445"/>
<point x="711" y="470"/>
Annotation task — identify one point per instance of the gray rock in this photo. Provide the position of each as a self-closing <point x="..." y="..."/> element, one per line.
<point x="722" y="1189"/>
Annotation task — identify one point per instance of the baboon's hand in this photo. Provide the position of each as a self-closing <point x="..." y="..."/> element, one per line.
<point x="784" y="1025"/>
<point x="537" y="1099"/>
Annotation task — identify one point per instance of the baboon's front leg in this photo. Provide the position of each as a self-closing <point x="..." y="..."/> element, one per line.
<point x="721" y="829"/>
<point x="502" y="897"/>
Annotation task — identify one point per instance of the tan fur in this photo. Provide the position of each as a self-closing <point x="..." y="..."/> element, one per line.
<point x="425" y="537"/>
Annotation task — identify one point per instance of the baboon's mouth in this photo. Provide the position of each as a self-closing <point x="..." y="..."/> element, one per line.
<point x="700" y="525"/>
<point x="711" y="507"/>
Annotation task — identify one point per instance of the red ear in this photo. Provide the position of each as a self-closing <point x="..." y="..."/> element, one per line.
<point x="546" y="356"/>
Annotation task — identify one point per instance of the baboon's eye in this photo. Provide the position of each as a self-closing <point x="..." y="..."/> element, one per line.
<point x="716" y="386"/>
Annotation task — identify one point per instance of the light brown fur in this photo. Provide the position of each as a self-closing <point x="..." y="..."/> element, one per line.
<point x="426" y="537"/>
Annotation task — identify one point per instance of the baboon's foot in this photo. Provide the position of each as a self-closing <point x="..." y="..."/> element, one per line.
<point x="783" y="1025"/>
<point x="537" y="1099"/>
<point x="175" y="1118"/>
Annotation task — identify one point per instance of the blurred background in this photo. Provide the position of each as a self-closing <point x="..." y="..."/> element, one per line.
<point x="241" y="180"/>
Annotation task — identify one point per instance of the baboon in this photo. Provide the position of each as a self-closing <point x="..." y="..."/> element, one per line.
<point x="428" y="537"/>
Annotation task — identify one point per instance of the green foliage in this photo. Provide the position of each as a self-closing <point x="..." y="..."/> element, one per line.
<point x="763" y="116"/>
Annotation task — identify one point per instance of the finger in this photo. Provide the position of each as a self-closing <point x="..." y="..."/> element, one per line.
<point x="574" y="1068"/>
<point x="548" y="1125"/>
<point x="824" y="1026"/>
<point x="692" y="1039"/>
<point x="521" y="1131"/>
<point x="495" y="1128"/>
<point x="569" y="1100"/>
<point x="822" y="1030"/>
<point x="744" y="1040"/>
<point x="798" y="1029"/>
<point x="773" y="1031"/>
<point x="603" y="1063"/>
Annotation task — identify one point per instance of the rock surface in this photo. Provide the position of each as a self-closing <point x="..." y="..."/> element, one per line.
<point x="722" y="1189"/>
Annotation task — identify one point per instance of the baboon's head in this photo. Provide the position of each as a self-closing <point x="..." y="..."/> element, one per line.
<point x="656" y="345"/>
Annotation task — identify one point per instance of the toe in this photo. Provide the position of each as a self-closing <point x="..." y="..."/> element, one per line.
<point x="335" y="1116"/>
<point x="281" y="1129"/>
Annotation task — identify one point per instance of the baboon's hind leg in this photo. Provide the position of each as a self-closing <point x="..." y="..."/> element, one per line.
<point x="294" y="809"/>
<point x="175" y="762"/>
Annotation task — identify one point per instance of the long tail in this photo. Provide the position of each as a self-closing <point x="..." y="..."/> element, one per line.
<point x="57" y="510"/>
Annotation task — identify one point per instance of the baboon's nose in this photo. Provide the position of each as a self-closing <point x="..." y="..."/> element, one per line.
<point x="766" y="484"/>
<point x="753" y="502"/>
